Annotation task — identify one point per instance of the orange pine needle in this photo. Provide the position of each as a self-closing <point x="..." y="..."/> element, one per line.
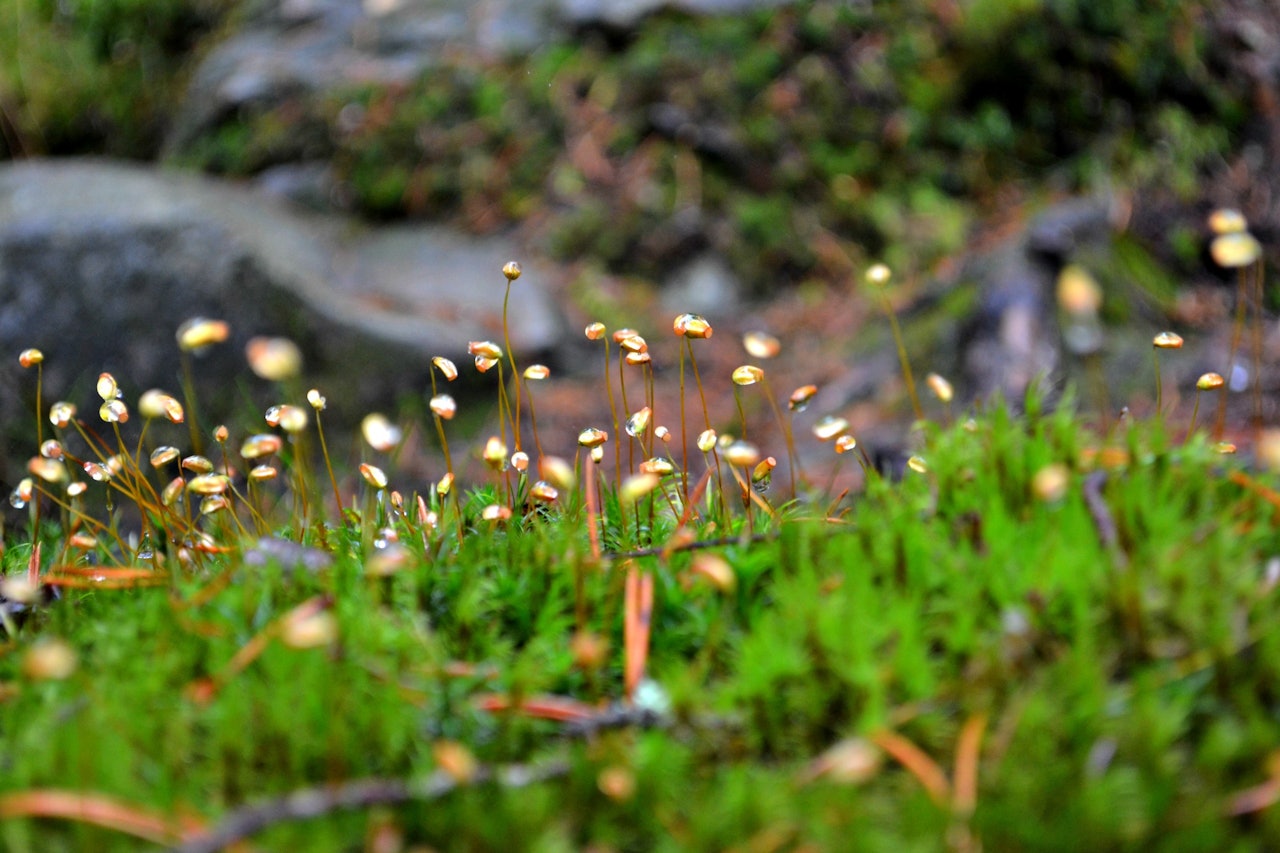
<point x="638" y="614"/>
<point x="593" y="531"/>
<point x="99" y="811"/>
<point x="557" y="708"/>
<point x="968" y="752"/>
<point x="1269" y="495"/>
<point x="1255" y="799"/>
<point x="919" y="765"/>
<point x="33" y="567"/>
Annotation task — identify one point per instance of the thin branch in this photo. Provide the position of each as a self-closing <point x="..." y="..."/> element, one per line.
<point x="1102" y="518"/>
<point x="308" y="803"/>
<point x="688" y="546"/>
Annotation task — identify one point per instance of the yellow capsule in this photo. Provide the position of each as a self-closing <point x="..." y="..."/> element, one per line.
<point x="940" y="387"/>
<point x="291" y="418"/>
<point x="657" y="465"/>
<point x="316" y="400"/>
<point x="495" y="453"/>
<point x="637" y="358"/>
<point x="443" y="406"/>
<point x="715" y="569"/>
<point x="484" y="349"/>
<point x="309" y="630"/>
<point x="1225" y="447"/>
<point x="209" y="484"/>
<point x="845" y="443"/>
<point x="592" y="437"/>
<point x="445" y="485"/>
<point x="617" y="783"/>
<point x="1079" y="293"/>
<point x="763" y="473"/>
<point x="594" y="331"/>
<point x="917" y="464"/>
<point x="263" y="444"/>
<point x="214" y="503"/>
<point x="199" y="332"/>
<point x="747" y="374"/>
<point x="157" y="404"/>
<point x="520" y="461"/>
<point x="163" y="455"/>
<point x="543" y="492"/>
<point x="620" y="335"/>
<point x="536" y="372"/>
<point x="49" y="659"/>
<point x="446" y="367"/>
<point x="634" y="344"/>
<point x="75" y="490"/>
<point x="852" y="761"/>
<point x="800" y="398"/>
<point x="1236" y="249"/>
<point x="484" y="364"/>
<point x="597" y="454"/>
<point x="761" y="345"/>
<point x="636" y="486"/>
<point x="1167" y="340"/>
<point x="706" y="440"/>
<point x="273" y="359"/>
<point x="1050" y="483"/>
<point x="61" y="414"/>
<point x="878" y="275"/>
<point x="1267" y="450"/>
<point x="391" y="558"/>
<point x="114" y="412"/>
<point x="558" y="472"/>
<point x="49" y="470"/>
<point x="496" y="512"/>
<point x="1225" y="220"/>
<point x="51" y="449"/>
<point x="108" y="389"/>
<point x="511" y="269"/>
<point x="691" y="326"/>
<point x="172" y="492"/>
<point x="373" y="475"/>
<point x="30" y="357"/>
<point x="830" y="427"/>
<point x="260" y="473"/>
<point x="639" y="422"/>
<point x="742" y="453"/>
<point x="198" y="464"/>
<point x="22" y="493"/>
<point x="380" y="433"/>
<point x="1210" y="381"/>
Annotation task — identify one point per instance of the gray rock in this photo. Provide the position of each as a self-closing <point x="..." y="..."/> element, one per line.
<point x="704" y="285"/>
<point x="628" y="13"/>
<point x="100" y="263"/>
<point x="295" y="47"/>
<point x="292" y="48"/>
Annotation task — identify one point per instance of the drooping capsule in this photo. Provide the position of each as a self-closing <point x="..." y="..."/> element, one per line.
<point x="830" y="427"/>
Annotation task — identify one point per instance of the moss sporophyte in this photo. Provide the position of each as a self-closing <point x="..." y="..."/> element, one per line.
<point x="456" y="633"/>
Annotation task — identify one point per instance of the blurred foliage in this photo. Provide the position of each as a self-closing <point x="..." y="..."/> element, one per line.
<point x="793" y="141"/>
<point x="764" y="135"/>
<point x="95" y="76"/>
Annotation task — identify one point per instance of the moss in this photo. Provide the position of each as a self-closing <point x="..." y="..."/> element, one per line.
<point x="96" y="76"/>
<point x="892" y="127"/>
